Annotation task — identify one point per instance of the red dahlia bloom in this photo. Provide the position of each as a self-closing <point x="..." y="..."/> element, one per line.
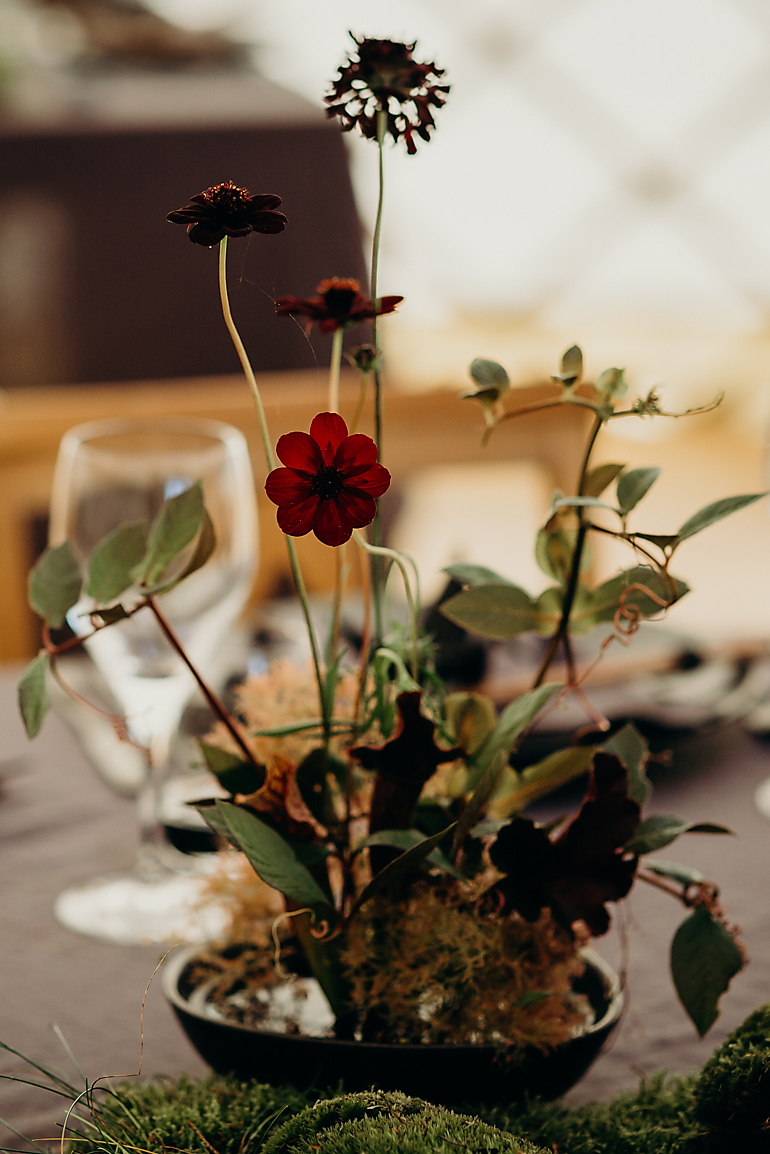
<point x="339" y="305"/>
<point x="329" y="483"/>
<point x="226" y="210"/>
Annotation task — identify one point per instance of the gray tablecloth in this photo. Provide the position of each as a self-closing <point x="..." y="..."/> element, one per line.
<point x="60" y="824"/>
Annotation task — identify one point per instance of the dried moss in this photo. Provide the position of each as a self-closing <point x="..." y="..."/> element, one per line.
<point x="392" y="1123"/>
<point x="431" y="969"/>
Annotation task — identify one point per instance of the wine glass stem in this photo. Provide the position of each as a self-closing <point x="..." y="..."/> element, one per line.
<point x="153" y="846"/>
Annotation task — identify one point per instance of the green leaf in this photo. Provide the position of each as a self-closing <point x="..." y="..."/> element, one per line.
<point x="55" y="583"/>
<point x="538" y="780"/>
<point x="206" y="544"/>
<point x="207" y="808"/>
<point x="469" y="718"/>
<point x="34" y="701"/>
<point x="611" y="383"/>
<point x="581" y="502"/>
<point x="233" y="773"/>
<point x="599" y="478"/>
<point x="511" y="724"/>
<point x="629" y="745"/>
<point x="273" y="858"/>
<point x="406" y="839"/>
<point x="489" y="374"/>
<point x="175" y="526"/>
<point x="571" y="366"/>
<point x="662" y="540"/>
<point x="473" y="575"/>
<point x="602" y="603"/>
<point x="496" y="611"/>
<point x="715" y="512"/>
<point x="654" y="832"/>
<point x="401" y="865"/>
<point x="633" y="485"/>
<point x="683" y="874"/>
<point x="709" y="827"/>
<point x="704" y="958"/>
<point x="113" y="561"/>
<point x="479" y="798"/>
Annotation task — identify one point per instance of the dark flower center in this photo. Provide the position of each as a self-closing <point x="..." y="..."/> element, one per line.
<point x="327" y="482"/>
<point x="227" y="198"/>
<point x="338" y="295"/>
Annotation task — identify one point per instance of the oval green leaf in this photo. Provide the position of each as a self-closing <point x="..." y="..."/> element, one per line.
<point x="55" y="583"/>
<point x="174" y="527"/>
<point x="599" y="478"/>
<point x="489" y="374"/>
<point x="633" y="485"/>
<point x="704" y="958"/>
<point x="511" y="723"/>
<point x="113" y="561"/>
<point x="473" y="575"/>
<point x="715" y="512"/>
<point x="495" y="611"/>
<point x="34" y="701"/>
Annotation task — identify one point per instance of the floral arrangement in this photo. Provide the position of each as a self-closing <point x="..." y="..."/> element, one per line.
<point x="379" y="811"/>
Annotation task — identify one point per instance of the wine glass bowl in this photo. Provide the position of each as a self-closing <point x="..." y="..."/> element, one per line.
<point x="110" y="473"/>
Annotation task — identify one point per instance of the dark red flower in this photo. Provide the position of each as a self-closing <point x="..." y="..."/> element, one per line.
<point x="226" y="210"/>
<point x="339" y="305"/>
<point x="584" y="867"/>
<point x="382" y="76"/>
<point x="329" y="483"/>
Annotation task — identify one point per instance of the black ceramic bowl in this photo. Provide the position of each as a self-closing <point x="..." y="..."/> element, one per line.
<point x="445" y="1073"/>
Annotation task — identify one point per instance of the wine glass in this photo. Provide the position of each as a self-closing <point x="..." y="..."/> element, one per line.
<point x="109" y="473"/>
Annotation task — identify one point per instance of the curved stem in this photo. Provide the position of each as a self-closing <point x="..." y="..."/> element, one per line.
<point x="243" y="355"/>
<point x="377" y="582"/>
<point x="272" y="463"/>
<point x="361" y="401"/>
<point x="334" y="371"/>
<point x="381" y="551"/>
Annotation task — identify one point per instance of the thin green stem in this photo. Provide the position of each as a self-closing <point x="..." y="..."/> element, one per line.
<point x="334" y="371"/>
<point x="414" y="613"/>
<point x="562" y="630"/>
<point x="377" y="581"/>
<point x="271" y="463"/>
<point x="243" y="355"/>
<point x="361" y="401"/>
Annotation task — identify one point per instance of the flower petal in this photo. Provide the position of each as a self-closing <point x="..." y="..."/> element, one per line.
<point x="288" y="487"/>
<point x="264" y="201"/>
<point x="374" y="481"/>
<point x="355" y="507"/>
<point x="299" y="451"/>
<point x="297" y="520"/>
<point x="388" y="304"/>
<point x="205" y="234"/>
<point x="328" y="525"/>
<point x="355" y="454"/>
<point x="329" y="431"/>
<point x="268" y="222"/>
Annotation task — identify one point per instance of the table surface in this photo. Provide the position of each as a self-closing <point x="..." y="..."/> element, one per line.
<point x="59" y="824"/>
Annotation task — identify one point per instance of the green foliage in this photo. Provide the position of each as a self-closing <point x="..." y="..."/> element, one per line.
<point x="611" y="383"/>
<point x="704" y="958"/>
<point x="715" y="512"/>
<point x="222" y="1114"/>
<point x="571" y="367"/>
<point x="599" y="478"/>
<point x="660" y="829"/>
<point x="234" y="774"/>
<point x="633" y="485"/>
<point x="511" y="723"/>
<point x="112" y="564"/>
<point x="34" y="701"/>
<point x="273" y="858"/>
<point x="495" y="611"/>
<point x="473" y="575"/>
<point x="388" y="1123"/>
<point x="655" y="1119"/>
<point x="685" y="875"/>
<point x="604" y="601"/>
<point x="469" y="718"/>
<point x="520" y="789"/>
<point x="489" y="375"/>
<point x="406" y="839"/>
<point x="55" y="583"/>
<point x="174" y="528"/>
<point x="400" y="866"/>
<point x="731" y="1098"/>
<point x="629" y="745"/>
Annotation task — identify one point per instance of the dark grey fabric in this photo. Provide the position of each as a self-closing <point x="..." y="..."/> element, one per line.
<point x="59" y="824"/>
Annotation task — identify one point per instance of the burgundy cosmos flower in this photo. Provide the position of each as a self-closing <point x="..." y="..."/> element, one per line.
<point x="226" y="210"/>
<point x="339" y="305"/>
<point x="329" y="483"/>
<point x="383" y="76"/>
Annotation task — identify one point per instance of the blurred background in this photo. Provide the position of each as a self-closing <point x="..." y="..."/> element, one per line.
<point x="600" y="174"/>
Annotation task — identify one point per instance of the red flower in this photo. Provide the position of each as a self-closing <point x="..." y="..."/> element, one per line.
<point x="382" y="75"/>
<point x="226" y="210"/>
<point x="330" y="481"/>
<point x="339" y="304"/>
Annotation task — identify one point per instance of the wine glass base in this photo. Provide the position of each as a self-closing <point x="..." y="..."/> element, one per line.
<point x="128" y="911"/>
<point x="762" y="798"/>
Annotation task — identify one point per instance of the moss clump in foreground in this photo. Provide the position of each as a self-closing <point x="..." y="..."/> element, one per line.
<point x="230" y="1116"/>
<point x="731" y="1097"/>
<point x="388" y="1123"/>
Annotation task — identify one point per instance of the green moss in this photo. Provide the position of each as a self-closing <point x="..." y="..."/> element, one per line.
<point x="393" y="1123"/>
<point x="731" y="1097"/>
<point x="230" y="1116"/>
<point x="655" y="1119"/>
